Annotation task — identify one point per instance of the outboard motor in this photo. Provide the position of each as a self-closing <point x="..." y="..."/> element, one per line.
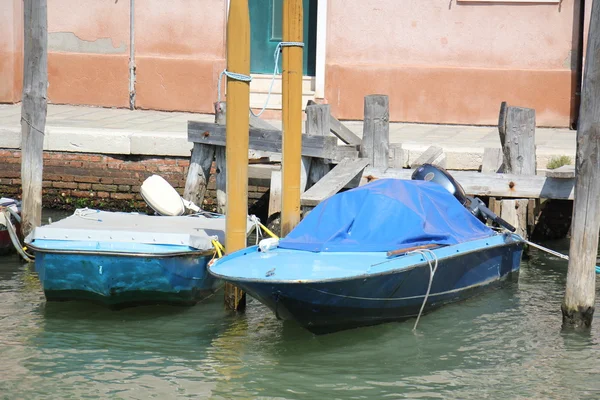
<point x="431" y="173"/>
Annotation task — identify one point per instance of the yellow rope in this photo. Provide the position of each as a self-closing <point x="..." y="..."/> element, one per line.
<point x="218" y="247"/>
<point x="264" y="228"/>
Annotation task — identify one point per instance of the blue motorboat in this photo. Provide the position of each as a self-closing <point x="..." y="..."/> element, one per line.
<point x="387" y="251"/>
<point x="121" y="259"/>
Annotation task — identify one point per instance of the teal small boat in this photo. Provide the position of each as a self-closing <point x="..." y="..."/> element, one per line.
<point x="123" y="259"/>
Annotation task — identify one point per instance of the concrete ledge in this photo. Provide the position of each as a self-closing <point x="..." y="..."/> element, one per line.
<point x="169" y="143"/>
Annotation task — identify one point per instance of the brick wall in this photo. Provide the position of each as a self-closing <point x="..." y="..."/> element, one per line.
<point x="109" y="182"/>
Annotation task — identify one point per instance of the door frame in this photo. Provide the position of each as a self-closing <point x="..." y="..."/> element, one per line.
<point x="322" y="6"/>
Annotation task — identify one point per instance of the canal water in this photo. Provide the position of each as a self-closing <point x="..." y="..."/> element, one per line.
<point x="505" y="344"/>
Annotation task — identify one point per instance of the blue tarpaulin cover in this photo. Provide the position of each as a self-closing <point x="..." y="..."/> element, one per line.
<point x="384" y="215"/>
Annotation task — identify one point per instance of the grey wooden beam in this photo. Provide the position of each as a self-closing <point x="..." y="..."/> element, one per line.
<point x="262" y="139"/>
<point x="564" y="172"/>
<point x="335" y="180"/>
<point x="497" y="185"/>
<point x="340" y="130"/>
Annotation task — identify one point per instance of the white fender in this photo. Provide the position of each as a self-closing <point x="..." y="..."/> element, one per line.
<point x="162" y="197"/>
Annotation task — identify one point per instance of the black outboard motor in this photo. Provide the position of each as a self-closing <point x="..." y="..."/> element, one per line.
<point x="431" y="173"/>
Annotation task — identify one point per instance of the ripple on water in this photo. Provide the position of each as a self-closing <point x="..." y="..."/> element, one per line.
<point x="506" y="343"/>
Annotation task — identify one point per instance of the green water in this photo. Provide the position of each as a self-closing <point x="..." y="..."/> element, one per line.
<point x="505" y="344"/>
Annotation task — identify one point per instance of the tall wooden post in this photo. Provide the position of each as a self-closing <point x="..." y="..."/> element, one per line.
<point x="238" y="104"/>
<point x="292" y="115"/>
<point x="578" y="304"/>
<point x="33" y="110"/>
<point x="376" y="131"/>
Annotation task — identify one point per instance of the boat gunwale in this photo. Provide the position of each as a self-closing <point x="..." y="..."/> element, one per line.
<point x="122" y="254"/>
<point x="365" y="275"/>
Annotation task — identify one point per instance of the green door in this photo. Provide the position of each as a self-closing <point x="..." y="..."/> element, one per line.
<point x="265" y="33"/>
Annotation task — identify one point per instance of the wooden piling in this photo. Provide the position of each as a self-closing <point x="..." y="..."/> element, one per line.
<point x="201" y="163"/>
<point x="317" y="124"/>
<point x="292" y="115"/>
<point x="237" y="138"/>
<point x="33" y="110"/>
<point x="578" y="303"/>
<point x="518" y="140"/>
<point x="516" y="126"/>
<point x="376" y="131"/>
<point x="221" y="161"/>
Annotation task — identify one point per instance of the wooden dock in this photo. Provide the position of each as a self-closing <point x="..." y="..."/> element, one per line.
<point x="334" y="158"/>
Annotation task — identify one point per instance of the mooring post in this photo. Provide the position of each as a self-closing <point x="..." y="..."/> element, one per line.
<point x="237" y="139"/>
<point x="317" y="124"/>
<point x="201" y="164"/>
<point x="578" y="303"/>
<point x="33" y="111"/>
<point x="376" y="131"/>
<point x="292" y="115"/>
<point x="516" y="126"/>
<point x="221" y="161"/>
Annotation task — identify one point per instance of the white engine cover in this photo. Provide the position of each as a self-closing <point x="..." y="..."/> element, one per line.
<point x="161" y="196"/>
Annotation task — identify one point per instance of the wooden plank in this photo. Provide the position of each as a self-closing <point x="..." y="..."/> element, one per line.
<point x="397" y="156"/>
<point x="580" y="294"/>
<point x="518" y="141"/>
<point x="340" y="130"/>
<point x="376" y="131"/>
<point x="335" y="180"/>
<point x="564" y="172"/>
<point x="256" y="122"/>
<point x="275" y="193"/>
<point x="494" y="205"/>
<point x="532" y="212"/>
<point x="433" y="155"/>
<point x="492" y="160"/>
<point x="344" y="151"/>
<point x="262" y="139"/>
<point x="33" y="110"/>
<point x="317" y="124"/>
<point x="515" y="213"/>
<point x="498" y="185"/>
<point x="502" y="118"/>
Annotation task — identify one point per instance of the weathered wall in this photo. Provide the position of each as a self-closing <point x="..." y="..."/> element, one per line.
<point x="451" y="62"/>
<point x="73" y="180"/>
<point x="88" y="52"/>
<point x="180" y="51"/>
<point x="11" y="50"/>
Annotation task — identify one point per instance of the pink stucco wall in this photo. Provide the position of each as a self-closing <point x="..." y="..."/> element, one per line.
<point x="180" y="50"/>
<point x="449" y="62"/>
<point x="11" y="51"/>
<point x="88" y="44"/>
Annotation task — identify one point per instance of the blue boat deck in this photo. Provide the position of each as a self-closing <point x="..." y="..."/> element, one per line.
<point x="297" y="266"/>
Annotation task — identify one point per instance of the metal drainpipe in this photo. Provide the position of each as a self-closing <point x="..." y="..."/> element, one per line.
<point x="131" y="55"/>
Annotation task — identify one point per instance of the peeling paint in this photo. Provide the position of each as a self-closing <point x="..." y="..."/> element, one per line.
<point x="68" y="42"/>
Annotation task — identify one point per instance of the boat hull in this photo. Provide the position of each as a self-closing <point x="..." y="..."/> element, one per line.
<point x="396" y="295"/>
<point x="124" y="280"/>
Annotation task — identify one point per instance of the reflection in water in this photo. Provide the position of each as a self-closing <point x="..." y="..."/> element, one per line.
<point x="506" y="343"/>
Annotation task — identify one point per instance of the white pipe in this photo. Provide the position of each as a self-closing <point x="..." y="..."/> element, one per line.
<point x="131" y="55"/>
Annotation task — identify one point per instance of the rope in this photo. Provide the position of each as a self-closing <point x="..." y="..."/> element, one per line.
<point x="14" y="238"/>
<point x="85" y="214"/>
<point x="248" y="78"/>
<point x="278" y="50"/>
<point x="232" y="75"/>
<point x="432" y="270"/>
